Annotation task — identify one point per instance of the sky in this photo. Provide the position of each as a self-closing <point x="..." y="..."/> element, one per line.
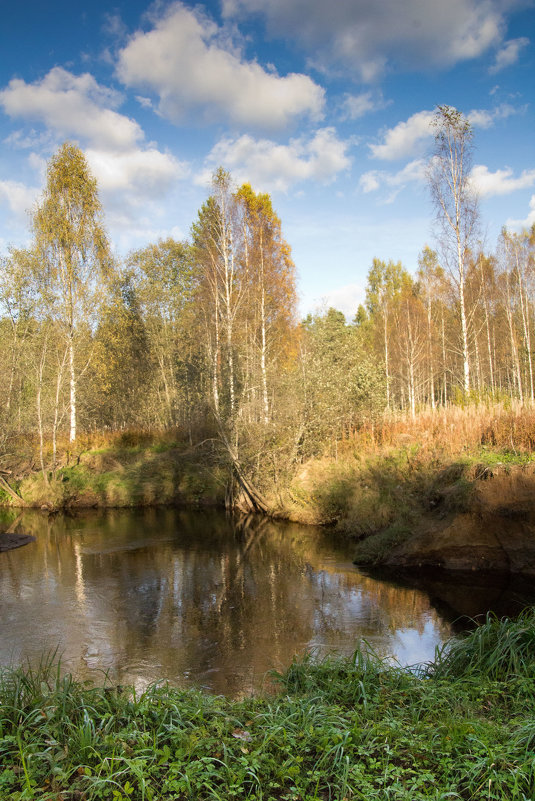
<point x="325" y="104"/>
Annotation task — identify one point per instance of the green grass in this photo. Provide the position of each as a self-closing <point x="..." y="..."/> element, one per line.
<point x="342" y="728"/>
<point x="126" y="477"/>
<point x="496" y="650"/>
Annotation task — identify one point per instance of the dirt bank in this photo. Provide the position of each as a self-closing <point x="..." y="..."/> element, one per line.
<point x="496" y="532"/>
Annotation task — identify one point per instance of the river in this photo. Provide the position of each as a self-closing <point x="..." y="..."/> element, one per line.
<point x="192" y="598"/>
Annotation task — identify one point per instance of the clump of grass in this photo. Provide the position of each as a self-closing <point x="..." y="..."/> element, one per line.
<point x="341" y="728"/>
<point x="498" y="649"/>
<point x="152" y="476"/>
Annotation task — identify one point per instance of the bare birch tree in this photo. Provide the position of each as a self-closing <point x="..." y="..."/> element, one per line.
<point x="456" y="205"/>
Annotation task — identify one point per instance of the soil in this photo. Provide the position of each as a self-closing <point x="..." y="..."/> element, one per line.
<point x="496" y="532"/>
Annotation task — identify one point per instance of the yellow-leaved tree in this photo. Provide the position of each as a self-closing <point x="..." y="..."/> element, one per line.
<point x="72" y="251"/>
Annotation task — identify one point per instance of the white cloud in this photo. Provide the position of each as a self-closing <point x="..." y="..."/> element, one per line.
<point x="508" y="54"/>
<point x="413" y="172"/>
<point x="132" y="175"/>
<point x="273" y="166"/>
<point x="147" y="173"/>
<point x="485" y="118"/>
<point x="405" y="138"/>
<point x="145" y="102"/>
<point x="193" y="67"/>
<point x="528" y="221"/>
<point x="25" y="140"/>
<point x="370" y="181"/>
<point x="369" y="37"/>
<point x="72" y="105"/>
<point x="18" y="197"/>
<point x="501" y="182"/>
<point x="356" y="106"/>
<point x="411" y="136"/>
<point x="346" y="299"/>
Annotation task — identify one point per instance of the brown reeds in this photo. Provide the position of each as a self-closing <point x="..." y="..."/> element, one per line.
<point x="451" y="431"/>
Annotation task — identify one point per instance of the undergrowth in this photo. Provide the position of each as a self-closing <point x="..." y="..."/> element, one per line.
<point x="342" y="728"/>
<point x="376" y="475"/>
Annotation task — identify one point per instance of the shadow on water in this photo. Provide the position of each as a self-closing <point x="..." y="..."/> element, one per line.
<point x="465" y="597"/>
<point x="199" y="598"/>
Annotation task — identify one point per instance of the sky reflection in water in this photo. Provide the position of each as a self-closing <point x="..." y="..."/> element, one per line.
<point x="186" y="597"/>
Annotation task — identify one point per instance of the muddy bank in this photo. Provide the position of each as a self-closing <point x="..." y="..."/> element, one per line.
<point x="496" y="531"/>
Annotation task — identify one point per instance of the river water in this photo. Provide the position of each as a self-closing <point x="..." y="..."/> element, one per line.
<point x="192" y="598"/>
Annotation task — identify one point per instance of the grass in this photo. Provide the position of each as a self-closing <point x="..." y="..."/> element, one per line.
<point x="389" y="480"/>
<point x="352" y="728"/>
<point x="377" y="476"/>
<point x="127" y="476"/>
<point x="496" y="650"/>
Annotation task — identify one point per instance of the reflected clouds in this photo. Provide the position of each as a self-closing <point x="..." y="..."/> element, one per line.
<point x="188" y="597"/>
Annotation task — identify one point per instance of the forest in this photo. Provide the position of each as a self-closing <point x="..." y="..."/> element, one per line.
<point x="202" y="338"/>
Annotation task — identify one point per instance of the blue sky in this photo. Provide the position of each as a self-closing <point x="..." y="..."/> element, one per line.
<point x="325" y="104"/>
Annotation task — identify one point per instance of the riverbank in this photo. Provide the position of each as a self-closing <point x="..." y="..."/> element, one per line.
<point x="130" y="469"/>
<point x="453" y="489"/>
<point x="403" y="509"/>
<point x="358" y="728"/>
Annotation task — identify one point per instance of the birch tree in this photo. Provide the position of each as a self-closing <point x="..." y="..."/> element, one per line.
<point x="270" y="300"/>
<point x="384" y="284"/>
<point x="430" y="276"/>
<point x="162" y="276"/>
<point x="456" y="205"/>
<point x="17" y="304"/>
<point x="516" y="248"/>
<point x="72" y="250"/>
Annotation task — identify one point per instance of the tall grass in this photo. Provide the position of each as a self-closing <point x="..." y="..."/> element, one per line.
<point x="364" y="478"/>
<point x="499" y="649"/>
<point x="352" y="728"/>
<point x="450" y="431"/>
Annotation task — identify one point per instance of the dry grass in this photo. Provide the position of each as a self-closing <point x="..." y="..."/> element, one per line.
<point x="387" y="477"/>
<point x="451" y="431"/>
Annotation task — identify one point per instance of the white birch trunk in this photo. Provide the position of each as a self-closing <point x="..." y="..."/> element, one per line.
<point x="72" y="383"/>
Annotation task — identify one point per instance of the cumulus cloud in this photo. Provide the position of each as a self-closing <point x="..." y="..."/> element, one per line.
<point x="409" y="137"/>
<point x="405" y="138"/>
<point x="129" y="171"/>
<point x="501" y="182"/>
<point x="72" y="105"/>
<point x="18" y="197"/>
<point x="413" y="172"/>
<point x="194" y="68"/>
<point x="528" y="221"/>
<point x="484" y="118"/>
<point x="148" y="172"/>
<point x="356" y="106"/>
<point x="508" y="54"/>
<point x="274" y="166"/>
<point x="368" y="38"/>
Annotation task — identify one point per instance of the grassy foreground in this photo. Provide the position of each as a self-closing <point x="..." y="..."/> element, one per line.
<point x="459" y="728"/>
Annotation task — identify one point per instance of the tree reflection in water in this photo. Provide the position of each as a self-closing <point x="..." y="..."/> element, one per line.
<point x="195" y="597"/>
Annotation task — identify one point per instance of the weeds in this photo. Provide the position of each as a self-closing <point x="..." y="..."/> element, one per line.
<point x="352" y="728"/>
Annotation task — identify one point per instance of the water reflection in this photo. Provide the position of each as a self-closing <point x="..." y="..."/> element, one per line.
<point x="187" y="596"/>
<point x="466" y="596"/>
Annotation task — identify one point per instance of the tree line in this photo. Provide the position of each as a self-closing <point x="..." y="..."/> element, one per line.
<point x="203" y="335"/>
